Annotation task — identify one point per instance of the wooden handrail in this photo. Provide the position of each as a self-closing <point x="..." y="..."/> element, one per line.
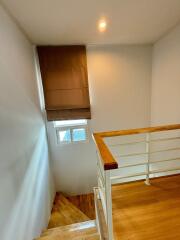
<point x="108" y="160"/>
<point x="139" y="130"/>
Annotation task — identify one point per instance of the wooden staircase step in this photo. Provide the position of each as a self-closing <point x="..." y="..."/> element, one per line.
<point x="65" y="213"/>
<point x="85" y="203"/>
<point x="90" y="237"/>
<point x="71" y="227"/>
<point x="82" y="231"/>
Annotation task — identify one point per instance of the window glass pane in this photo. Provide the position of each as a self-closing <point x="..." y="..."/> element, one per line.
<point x="65" y="136"/>
<point x="79" y="134"/>
<point x="70" y="123"/>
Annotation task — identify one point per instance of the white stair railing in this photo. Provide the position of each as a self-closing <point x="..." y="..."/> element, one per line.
<point x="104" y="188"/>
<point x="129" y="155"/>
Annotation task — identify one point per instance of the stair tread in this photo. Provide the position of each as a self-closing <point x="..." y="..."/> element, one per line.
<point x="85" y="202"/>
<point x="90" y="237"/>
<point x="81" y="231"/>
<point x="65" y="213"/>
<point x="66" y="237"/>
<point x="71" y="227"/>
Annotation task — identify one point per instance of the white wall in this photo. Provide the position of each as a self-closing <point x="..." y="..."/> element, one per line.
<point x="26" y="183"/>
<point x="120" y="80"/>
<point x="74" y="165"/>
<point x="166" y="79"/>
<point x="165" y="91"/>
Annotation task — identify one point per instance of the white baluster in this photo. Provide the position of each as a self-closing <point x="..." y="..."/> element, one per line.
<point x="109" y="204"/>
<point x="147" y="182"/>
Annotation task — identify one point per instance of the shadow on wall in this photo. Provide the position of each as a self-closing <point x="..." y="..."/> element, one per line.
<point x="33" y="204"/>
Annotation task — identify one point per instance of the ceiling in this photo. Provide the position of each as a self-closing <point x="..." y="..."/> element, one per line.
<point x="75" y="21"/>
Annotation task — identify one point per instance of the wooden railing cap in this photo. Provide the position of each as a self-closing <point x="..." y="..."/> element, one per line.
<point x="138" y="130"/>
<point x="107" y="158"/>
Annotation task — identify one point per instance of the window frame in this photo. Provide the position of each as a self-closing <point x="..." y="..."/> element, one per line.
<point x="71" y="124"/>
<point x="71" y="128"/>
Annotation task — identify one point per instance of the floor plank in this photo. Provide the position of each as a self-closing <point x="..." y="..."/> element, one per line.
<point x="143" y="212"/>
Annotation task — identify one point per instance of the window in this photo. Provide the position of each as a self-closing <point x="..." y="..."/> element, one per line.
<point x="71" y="131"/>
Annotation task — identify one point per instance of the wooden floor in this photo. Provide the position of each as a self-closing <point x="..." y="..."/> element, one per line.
<point x="78" y="231"/>
<point x="143" y="212"/>
<point x="69" y="222"/>
<point x="65" y="213"/>
<point x="85" y="203"/>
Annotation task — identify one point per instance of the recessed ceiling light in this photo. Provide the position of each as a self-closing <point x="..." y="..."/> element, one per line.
<point x="102" y="25"/>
